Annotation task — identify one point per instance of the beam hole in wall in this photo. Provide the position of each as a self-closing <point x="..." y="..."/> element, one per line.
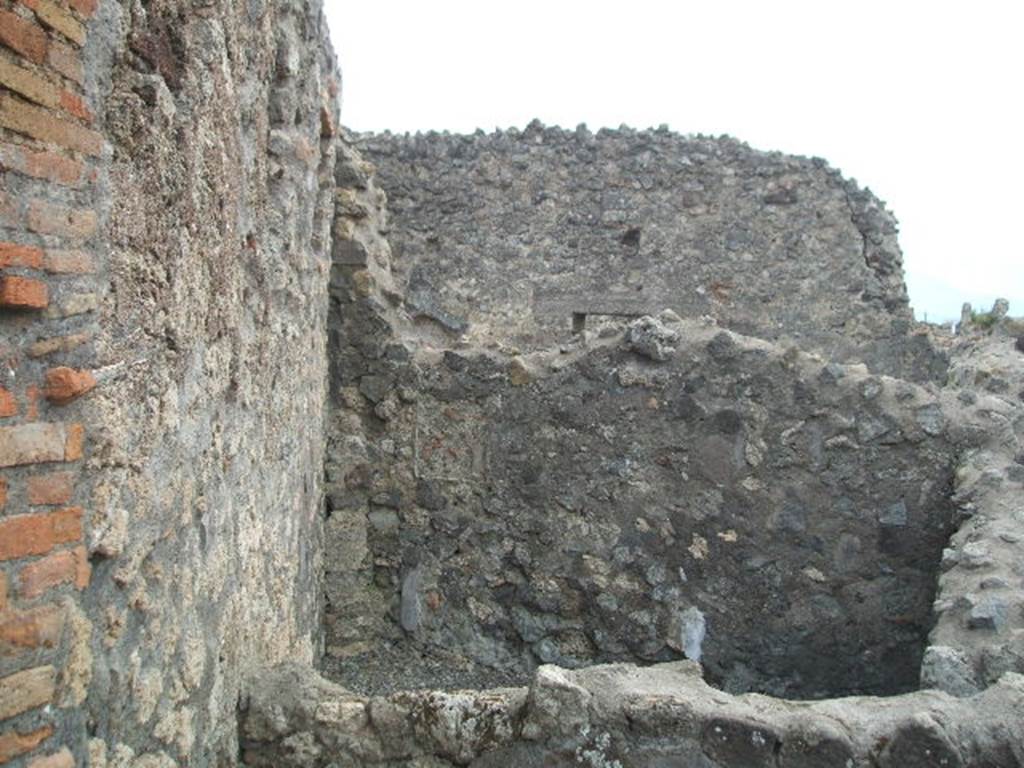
<point x="632" y="237"/>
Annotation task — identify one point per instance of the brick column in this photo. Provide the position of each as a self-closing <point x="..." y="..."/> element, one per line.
<point x="49" y="158"/>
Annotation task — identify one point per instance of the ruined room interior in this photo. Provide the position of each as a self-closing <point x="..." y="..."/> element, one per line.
<point x="540" y="447"/>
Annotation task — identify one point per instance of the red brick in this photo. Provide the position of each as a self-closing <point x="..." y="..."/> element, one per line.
<point x="44" y="125"/>
<point x="14" y="255"/>
<point x="37" y="534"/>
<point x="8" y="407"/>
<point x="56" y="18"/>
<point x="65" y="384"/>
<point x="32" y="395"/>
<point x="27" y="690"/>
<point x="3" y="591"/>
<point x="83" y="569"/>
<point x="74" y="445"/>
<point x="74" y="104"/>
<point x="41" y="165"/>
<point x="51" y="488"/>
<point x="23" y="293"/>
<point x="23" y="36"/>
<point x="62" y="759"/>
<point x="48" y="218"/>
<point x="67" y="524"/>
<point x="33" y="443"/>
<point x="35" y="628"/>
<point x="54" y="167"/>
<point x="3" y="500"/>
<point x="29" y="84"/>
<point x="66" y="60"/>
<point x="69" y="566"/>
<point x="68" y="262"/>
<point x="14" y="743"/>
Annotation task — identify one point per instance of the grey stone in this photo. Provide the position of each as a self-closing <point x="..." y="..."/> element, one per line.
<point x="871" y="389"/>
<point x="930" y="419"/>
<point x="736" y="742"/>
<point x="894" y="515"/>
<point x="989" y="613"/>
<point x="384" y="519"/>
<point x="994" y="582"/>
<point x="391" y="499"/>
<point x="429" y="495"/>
<point x="948" y="670"/>
<point x="920" y="742"/>
<point x="350" y="253"/>
<point x="975" y="554"/>
<point x="375" y="388"/>
<point x="815" y="744"/>
<point x="966" y="316"/>
<point x="649" y="337"/>
<point x="412" y="600"/>
<point x="687" y="632"/>
<point x="967" y="397"/>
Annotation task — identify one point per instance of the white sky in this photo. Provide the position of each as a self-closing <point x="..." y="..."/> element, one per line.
<point x="921" y="102"/>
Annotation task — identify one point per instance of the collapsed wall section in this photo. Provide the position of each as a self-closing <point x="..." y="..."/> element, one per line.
<point x="505" y="237"/>
<point x="168" y="242"/>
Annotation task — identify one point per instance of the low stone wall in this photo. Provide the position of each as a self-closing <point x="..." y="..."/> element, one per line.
<point x="979" y="629"/>
<point x="621" y="716"/>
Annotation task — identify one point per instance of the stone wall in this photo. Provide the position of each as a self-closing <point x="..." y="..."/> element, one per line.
<point x="504" y="237"/>
<point x="671" y="490"/>
<point x="364" y="326"/>
<point x="645" y="490"/>
<point x="620" y="716"/>
<point x="979" y="629"/>
<point x="168" y="175"/>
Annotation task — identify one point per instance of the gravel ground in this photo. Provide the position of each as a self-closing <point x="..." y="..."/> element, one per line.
<point x="388" y="669"/>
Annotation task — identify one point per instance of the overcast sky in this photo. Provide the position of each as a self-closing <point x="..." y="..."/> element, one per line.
<point x="921" y="102"/>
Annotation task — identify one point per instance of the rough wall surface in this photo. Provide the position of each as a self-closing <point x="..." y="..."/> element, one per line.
<point x="651" y="489"/>
<point x="621" y="716"/>
<point x="594" y="504"/>
<point x="979" y="631"/>
<point x="620" y="497"/>
<point x="178" y="249"/>
<point x="53" y="164"/>
<point x="199" y="510"/>
<point x="506" y="236"/>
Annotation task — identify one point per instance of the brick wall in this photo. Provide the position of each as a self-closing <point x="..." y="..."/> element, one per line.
<point x="49" y="159"/>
